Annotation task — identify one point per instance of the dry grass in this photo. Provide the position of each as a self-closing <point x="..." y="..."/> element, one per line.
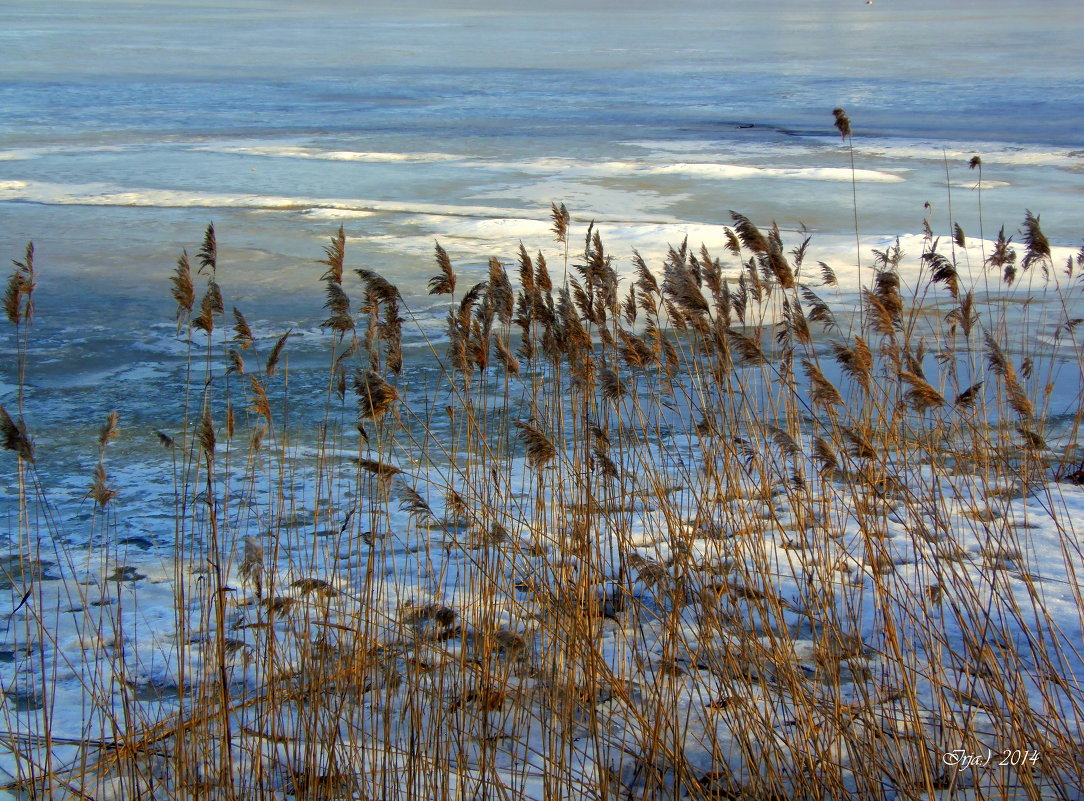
<point x="689" y="537"/>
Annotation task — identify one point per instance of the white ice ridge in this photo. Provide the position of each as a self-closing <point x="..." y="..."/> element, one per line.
<point x="102" y="194"/>
<point x="709" y="170"/>
<point x="701" y="170"/>
<point x="962" y="152"/>
<point x="302" y="152"/>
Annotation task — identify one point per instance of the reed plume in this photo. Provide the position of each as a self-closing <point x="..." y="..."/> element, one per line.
<point x="629" y="307"/>
<point x="209" y="306"/>
<point x="276" y="354"/>
<point x="540" y="449"/>
<point x="819" y="311"/>
<point x="334" y="258"/>
<point x="561" y="219"/>
<point x="205" y="435"/>
<point x="825" y="456"/>
<point x="100" y="490"/>
<point x="884" y="302"/>
<point x="443" y="283"/>
<point x="110" y="431"/>
<point x="499" y="292"/>
<point x="252" y="568"/>
<point x="943" y="271"/>
<point x="184" y="293"/>
<point x="338" y="304"/>
<point x="768" y="248"/>
<point x="794" y="327"/>
<point x="798" y="254"/>
<point x="1036" y="244"/>
<point x="635" y="352"/>
<point x="526" y="274"/>
<point x="843" y="122"/>
<point x="859" y="446"/>
<point x="377" y="288"/>
<point x="1003" y="257"/>
<point x="784" y="441"/>
<point x="681" y="285"/>
<point x="1003" y="368"/>
<point x="260" y="403"/>
<point x="542" y="279"/>
<point x="610" y="385"/>
<point x="15" y="436"/>
<point x="505" y="356"/>
<point x="458" y="338"/>
<point x="18" y="297"/>
<point x="921" y="395"/>
<point x="965" y="315"/>
<point x="375" y="395"/>
<point x="242" y="334"/>
<point x="602" y="462"/>
<point x="413" y="503"/>
<point x="856" y="361"/>
<point x="1032" y="439"/>
<point x="968" y="397"/>
<point x="822" y="391"/>
<point x="382" y="470"/>
<point x="645" y="279"/>
<point x="749" y="350"/>
<point x="208" y="252"/>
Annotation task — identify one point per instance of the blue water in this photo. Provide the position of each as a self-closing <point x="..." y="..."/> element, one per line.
<point x="154" y="80"/>
<point x="988" y="70"/>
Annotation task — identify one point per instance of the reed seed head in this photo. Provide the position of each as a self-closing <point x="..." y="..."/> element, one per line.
<point x="443" y="283"/>
<point x="375" y="395"/>
<point x="208" y="251"/>
<point x="334" y="258"/>
<point x="15" y="436"/>
<point x="108" y="432"/>
<point x="18" y="297"/>
<point x="561" y="219"/>
<point x="276" y="354"/>
<point x="242" y="332"/>
<point x="100" y="489"/>
<point x="206" y="434"/>
<point x="843" y="122"/>
<point x="540" y="450"/>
